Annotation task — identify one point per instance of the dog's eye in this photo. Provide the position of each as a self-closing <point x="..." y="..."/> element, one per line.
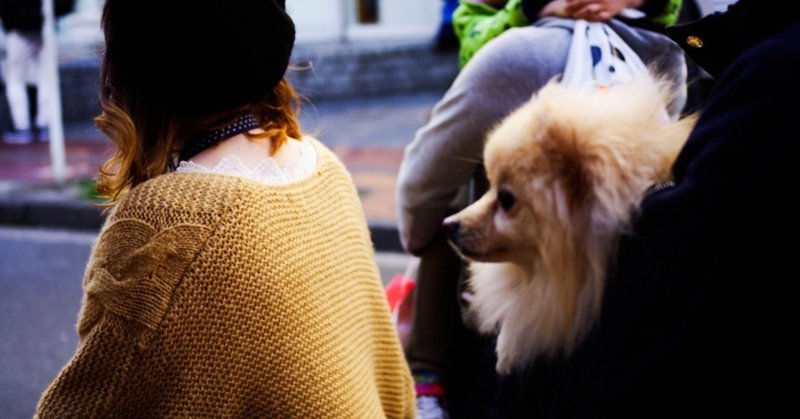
<point x="506" y="199"/>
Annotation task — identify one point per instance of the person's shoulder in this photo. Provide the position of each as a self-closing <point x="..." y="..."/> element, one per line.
<point x="182" y="193"/>
<point x="327" y="160"/>
<point x="207" y="185"/>
<point x="318" y="146"/>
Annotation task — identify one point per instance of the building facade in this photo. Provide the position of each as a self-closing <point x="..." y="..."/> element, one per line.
<point x="321" y="20"/>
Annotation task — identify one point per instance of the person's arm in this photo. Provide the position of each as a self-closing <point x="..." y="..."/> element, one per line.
<point x="446" y="152"/>
<point x="598" y="10"/>
<point x="443" y="156"/>
<point x="663" y="12"/>
<point x="129" y="287"/>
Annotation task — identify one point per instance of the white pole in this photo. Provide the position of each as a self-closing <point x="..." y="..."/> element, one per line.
<point x="344" y="20"/>
<point x="51" y="82"/>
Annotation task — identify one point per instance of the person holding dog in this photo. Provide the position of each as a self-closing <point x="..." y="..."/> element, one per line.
<point x="699" y="310"/>
<point x="234" y="276"/>
<point x="444" y="353"/>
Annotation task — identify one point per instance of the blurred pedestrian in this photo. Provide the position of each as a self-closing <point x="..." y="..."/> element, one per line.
<point x="445" y="39"/>
<point x="23" y="22"/>
<point x="234" y="276"/>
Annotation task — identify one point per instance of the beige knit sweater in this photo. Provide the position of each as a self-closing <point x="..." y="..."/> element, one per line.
<point x="216" y="296"/>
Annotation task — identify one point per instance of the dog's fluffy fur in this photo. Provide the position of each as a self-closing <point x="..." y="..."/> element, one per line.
<point x="566" y="171"/>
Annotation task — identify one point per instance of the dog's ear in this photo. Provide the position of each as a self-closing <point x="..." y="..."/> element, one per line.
<point x="566" y="157"/>
<point x="571" y="126"/>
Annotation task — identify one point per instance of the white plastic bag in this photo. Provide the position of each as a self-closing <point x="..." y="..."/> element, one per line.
<point x="599" y="58"/>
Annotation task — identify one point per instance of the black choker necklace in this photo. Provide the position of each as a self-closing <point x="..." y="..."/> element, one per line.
<point x="210" y="138"/>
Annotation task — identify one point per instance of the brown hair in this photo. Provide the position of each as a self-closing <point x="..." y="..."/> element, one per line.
<point x="149" y="131"/>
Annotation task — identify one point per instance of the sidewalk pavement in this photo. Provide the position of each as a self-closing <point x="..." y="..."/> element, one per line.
<point x="368" y="135"/>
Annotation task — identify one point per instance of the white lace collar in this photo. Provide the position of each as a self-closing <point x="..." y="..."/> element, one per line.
<point x="265" y="171"/>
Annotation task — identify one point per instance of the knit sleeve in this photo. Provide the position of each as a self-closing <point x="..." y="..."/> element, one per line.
<point x="134" y="272"/>
<point x="128" y="287"/>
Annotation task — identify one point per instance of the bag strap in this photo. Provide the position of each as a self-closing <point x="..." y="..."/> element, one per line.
<point x="599" y="58"/>
<point x="578" y="61"/>
<point x="634" y="63"/>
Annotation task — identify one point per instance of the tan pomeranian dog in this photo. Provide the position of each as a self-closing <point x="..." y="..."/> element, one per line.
<point x="567" y="171"/>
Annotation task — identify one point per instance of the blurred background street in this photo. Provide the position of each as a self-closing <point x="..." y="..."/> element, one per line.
<point x="367" y="134"/>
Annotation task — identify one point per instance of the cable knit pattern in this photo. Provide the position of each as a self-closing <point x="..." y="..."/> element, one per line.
<point x="218" y="296"/>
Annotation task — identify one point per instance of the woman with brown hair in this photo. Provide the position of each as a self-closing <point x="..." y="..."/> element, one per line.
<point x="234" y="275"/>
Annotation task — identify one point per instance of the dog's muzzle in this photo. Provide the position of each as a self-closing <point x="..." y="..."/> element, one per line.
<point x="454" y="233"/>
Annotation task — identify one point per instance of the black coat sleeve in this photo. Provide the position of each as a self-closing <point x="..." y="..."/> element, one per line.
<point x="698" y="313"/>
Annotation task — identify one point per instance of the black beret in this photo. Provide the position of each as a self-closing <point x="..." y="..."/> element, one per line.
<point x="199" y="57"/>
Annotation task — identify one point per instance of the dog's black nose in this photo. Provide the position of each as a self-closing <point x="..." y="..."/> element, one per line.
<point x="451" y="228"/>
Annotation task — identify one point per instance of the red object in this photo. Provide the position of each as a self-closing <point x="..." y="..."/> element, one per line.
<point x="434" y="389"/>
<point x="398" y="289"/>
